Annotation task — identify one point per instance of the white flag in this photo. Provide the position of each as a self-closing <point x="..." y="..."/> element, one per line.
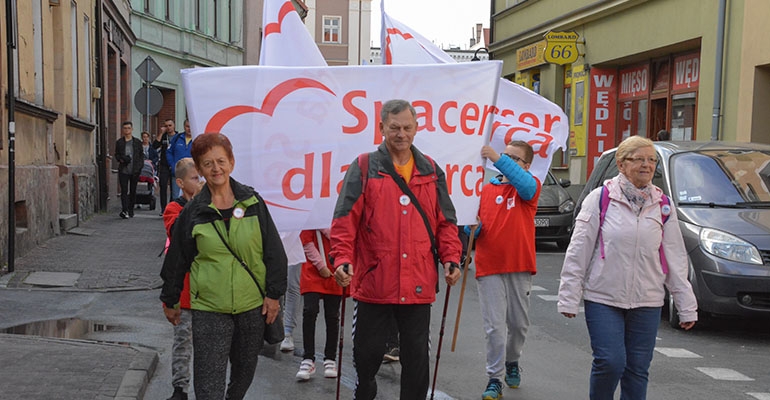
<point x="285" y="39"/>
<point x="521" y="114"/>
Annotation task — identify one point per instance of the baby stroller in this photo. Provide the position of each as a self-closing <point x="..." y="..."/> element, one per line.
<point x="145" y="188"/>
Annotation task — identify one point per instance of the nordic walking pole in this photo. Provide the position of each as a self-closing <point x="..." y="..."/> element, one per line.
<point x="441" y="334"/>
<point x="462" y="287"/>
<point x="342" y="334"/>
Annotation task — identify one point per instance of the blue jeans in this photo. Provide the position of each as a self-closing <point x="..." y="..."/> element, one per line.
<point x="623" y="342"/>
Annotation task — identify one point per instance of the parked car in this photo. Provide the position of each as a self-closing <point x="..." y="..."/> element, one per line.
<point x="722" y="195"/>
<point x="554" y="219"/>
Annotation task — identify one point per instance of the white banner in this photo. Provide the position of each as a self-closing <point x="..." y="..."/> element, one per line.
<point x="521" y="114"/>
<point x="296" y="130"/>
<point x="285" y="40"/>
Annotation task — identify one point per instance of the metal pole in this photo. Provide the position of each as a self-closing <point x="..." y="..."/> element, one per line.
<point x="147" y="107"/>
<point x="717" y="110"/>
<point x="10" y="24"/>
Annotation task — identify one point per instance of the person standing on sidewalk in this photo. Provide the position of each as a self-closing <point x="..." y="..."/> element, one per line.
<point x="391" y="262"/>
<point x="316" y="284"/>
<point x="226" y="239"/>
<point x="505" y="261"/>
<point x="178" y="148"/>
<point x="130" y="156"/>
<point x="164" y="170"/>
<point x="181" y="351"/>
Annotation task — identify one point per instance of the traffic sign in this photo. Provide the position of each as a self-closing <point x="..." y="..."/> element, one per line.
<point x="148" y="100"/>
<point x="149" y="70"/>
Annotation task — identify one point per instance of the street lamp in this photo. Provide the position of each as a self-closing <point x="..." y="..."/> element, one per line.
<point x="476" y="53"/>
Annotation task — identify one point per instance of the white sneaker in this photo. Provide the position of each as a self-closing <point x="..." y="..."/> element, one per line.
<point x="306" y="369"/>
<point x="330" y="369"/>
<point x="287" y="344"/>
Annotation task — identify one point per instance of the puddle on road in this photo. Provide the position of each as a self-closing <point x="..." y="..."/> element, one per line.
<point x="68" y="328"/>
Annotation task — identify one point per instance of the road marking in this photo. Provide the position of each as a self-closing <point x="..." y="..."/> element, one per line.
<point x="548" y="297"/>
<point x="676" y="352"/>
<point x="536" y="288"/>
<point x="724" y="374"/>
<point x="760" y="396"/>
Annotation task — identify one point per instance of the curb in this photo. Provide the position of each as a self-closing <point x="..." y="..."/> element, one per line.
<point x="138" y="376"/>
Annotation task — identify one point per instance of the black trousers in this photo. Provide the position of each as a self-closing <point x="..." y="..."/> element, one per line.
<point x="164" y="176"/>
<point x="372" y="325"/>
<point x="127" y="191"/>
<point x="331" y="317"/>
<point x="218" y="338"/>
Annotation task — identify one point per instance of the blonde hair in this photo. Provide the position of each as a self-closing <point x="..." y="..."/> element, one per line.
<point x="630" y="145"/>
<point x="183" y="167"/>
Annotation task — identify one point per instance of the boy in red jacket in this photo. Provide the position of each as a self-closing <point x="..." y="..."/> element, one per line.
<point x="189" y="182"/>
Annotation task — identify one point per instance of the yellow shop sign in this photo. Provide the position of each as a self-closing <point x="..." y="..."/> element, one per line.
<point x="561" y="47"/>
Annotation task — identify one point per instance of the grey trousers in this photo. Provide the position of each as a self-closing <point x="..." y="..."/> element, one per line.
<point x="291" y="299"/>
<point x="504" y="300"/>
<point x="181" y="351"/>
<point x="218" y="338"/>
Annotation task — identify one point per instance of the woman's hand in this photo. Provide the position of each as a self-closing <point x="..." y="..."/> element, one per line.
<point x="687" y="325"/>
<point x="271" y="307"/>
<point x="568" y="315"/>
<point x="324" y="272"/>
<point x="173" y="315"/>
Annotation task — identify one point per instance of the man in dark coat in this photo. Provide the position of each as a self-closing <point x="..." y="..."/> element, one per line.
<point x="130" y="156"/>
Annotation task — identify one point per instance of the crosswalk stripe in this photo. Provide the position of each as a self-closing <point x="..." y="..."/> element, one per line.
<point x="676" y="352"/>
<point x="760" y="396"/>
<point x="536" y="288"/>
<point x="548" y="297"/>
<point x="724" y="374"/>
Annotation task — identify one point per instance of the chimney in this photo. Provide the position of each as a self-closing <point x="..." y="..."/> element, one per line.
<point x="473" y="39"/>
<point x="478" y="33"/>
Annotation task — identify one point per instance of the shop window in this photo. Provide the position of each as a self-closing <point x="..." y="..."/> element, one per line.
<point x="633" y="118"/>
<point x="683" y="116"/>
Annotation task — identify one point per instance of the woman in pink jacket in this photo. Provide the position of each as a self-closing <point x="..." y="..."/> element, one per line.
<point x="615" y="267"/>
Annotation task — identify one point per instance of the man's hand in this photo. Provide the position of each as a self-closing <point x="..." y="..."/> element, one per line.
<point x="344" y="274"/>
<point x="159" y="135"/>
<point x="687" y="325"/>
<point x="173" y="315"/>
<point x="452" y="273"/>
<point x="271" y="308"/>
<point x="490" y="153"/>
<point x="568" y="315"/>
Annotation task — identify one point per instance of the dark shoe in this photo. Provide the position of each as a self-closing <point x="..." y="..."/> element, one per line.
<point x="179" y="394"/>
<point x="123" y="215"/>
<point x="131" y="214"/>
<point x="391" y="355"/>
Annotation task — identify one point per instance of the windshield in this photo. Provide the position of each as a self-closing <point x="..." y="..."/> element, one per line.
<point x="723" y="177"/>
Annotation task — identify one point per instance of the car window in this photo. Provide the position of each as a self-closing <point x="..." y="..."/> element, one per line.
<point x="549" y="180"/>
<point x="703" y="178"/>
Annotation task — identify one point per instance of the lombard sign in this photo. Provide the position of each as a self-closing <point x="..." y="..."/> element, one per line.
<point x="561" y="47"/>
<point x="530" y="56"/>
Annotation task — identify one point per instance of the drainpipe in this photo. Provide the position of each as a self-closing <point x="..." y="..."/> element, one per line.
<point x="717" y="110"/>
<point x="491" y="28"/>
<point x="101" y="129"/>
<point x="10" y="36"/>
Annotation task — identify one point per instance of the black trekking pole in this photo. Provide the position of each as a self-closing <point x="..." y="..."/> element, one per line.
<point x="441" y="334"/>
<point x="342" y="335"/>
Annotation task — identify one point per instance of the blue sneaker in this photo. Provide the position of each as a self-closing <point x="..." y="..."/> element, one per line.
<point x="512" y="374"/>
<point x="494" y="390"/>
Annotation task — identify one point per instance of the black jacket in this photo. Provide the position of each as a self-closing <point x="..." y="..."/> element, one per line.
<point x="137" y="160"/>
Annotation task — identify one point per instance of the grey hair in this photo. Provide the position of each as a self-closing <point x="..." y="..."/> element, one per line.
<point x="630" y="145"/>
<point x="396" y="106"/>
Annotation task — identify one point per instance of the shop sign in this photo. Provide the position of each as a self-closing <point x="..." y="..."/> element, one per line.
<point x="530" y="56"/>
<point x="634" y="82"/>
<point x="686" y="72"/>
<point x="602" y="106"/>
<point x="577" y="125"/>
<point x="561" y="47"/>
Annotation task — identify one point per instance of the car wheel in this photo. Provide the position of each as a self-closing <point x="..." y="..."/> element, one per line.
<point x="673" y="316"/>
<point x="562" y="244"/>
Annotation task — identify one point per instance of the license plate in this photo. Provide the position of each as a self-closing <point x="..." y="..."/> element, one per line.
<point x="542" y="222"/>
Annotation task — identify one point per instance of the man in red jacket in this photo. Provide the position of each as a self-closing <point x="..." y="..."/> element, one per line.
<point x="387" y="255"/>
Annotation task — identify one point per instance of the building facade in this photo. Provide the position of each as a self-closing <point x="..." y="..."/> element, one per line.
<point x="341" y="29"/>
<point x="696" y="69"/>
<point x="54" y="64"/>
<point x="179" y="35"/>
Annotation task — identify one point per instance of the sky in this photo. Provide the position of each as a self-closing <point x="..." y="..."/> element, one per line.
<point x="445" y="22"/>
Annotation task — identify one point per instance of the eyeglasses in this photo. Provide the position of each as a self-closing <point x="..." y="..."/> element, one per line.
<point x="515" y="158"/>
<point x="641" y="160"/>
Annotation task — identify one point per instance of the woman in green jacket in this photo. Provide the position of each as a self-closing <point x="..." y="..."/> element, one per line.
<point x="231" y="299"/>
